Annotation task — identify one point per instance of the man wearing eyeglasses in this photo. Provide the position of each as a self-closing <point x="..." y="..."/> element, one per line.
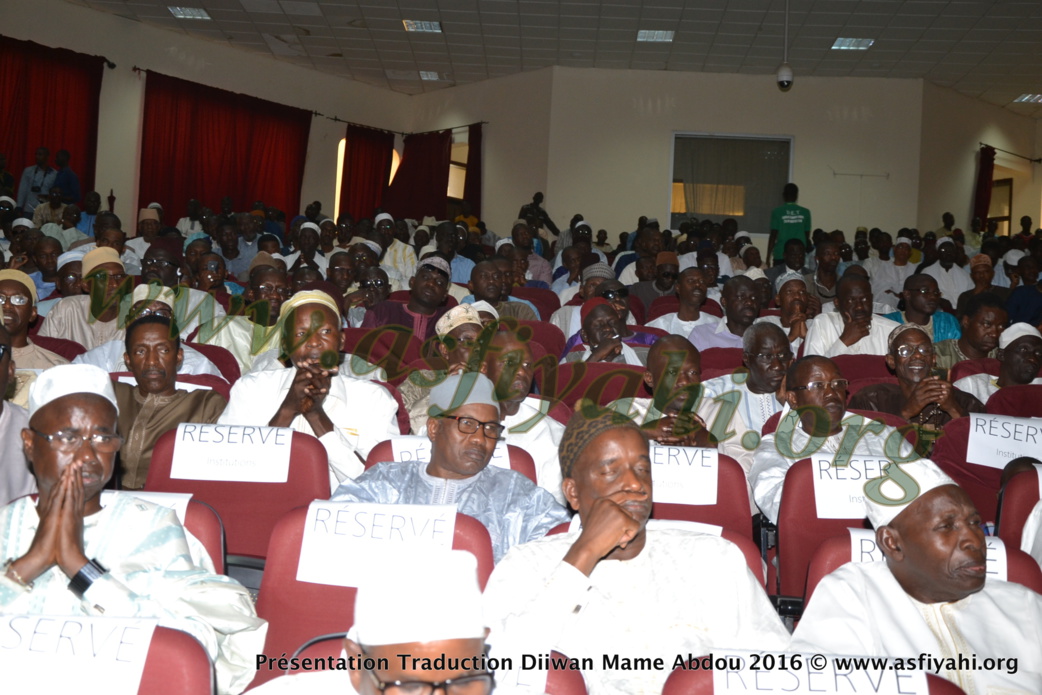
<point x="919" y="396"/>
<point x="91" y="319"/>
<point x="255" y="334"/>
<point x="18" y="307"/>
<point x="852" y="329"/>
<point x="922" y="307"/>
<point x="66" y="554"/>
<point x="817" y="426"/>
<point x="464" y="425"/>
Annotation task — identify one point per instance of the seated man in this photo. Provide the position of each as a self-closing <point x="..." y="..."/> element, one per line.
<point x="70" y="280"/>
<point x="146" y="300"/>
<point x="817" y="395"/>
<point x="930" y="595"/>
<point x="464" y="427"/>
<point x="314" y="394"/>
<point x="256" y="334"/>
<point x="487" y="284"/>
<point x="602" y="337"/>
<point x="852" y="329"/>
<point x="15" y="478"/>
<point x="507" y="361"/>
<point x="193" y="308"/>
<point x="620" y="584"/>
<point x="981" y="323"/>
<point x="793" y="301"/>
<point x="1020" y="354"/>
<point x="691" y="291"/>
<point x="18" y="294"/>
<point x="983" y="274"/>
<point x="673" y="414"/>
<point x="794" y="259"/>
<point x="667" y="267"/>
<point x="741" y="304"/>
<point x="394" y="615"/>
<point x="131" y="558"/>
<point x="951" y="279"/>
<point x="567" y="317"/>
<point x="427" y="292"/>
<point x="922" y="301"/>
<point x="737" y="409"/>
<point x="919" y="396"/>
<point x="155" y="405"/>
<point x="90" y="319"/>
<point x="458" y="331"/>
<point x="45" y="255"/>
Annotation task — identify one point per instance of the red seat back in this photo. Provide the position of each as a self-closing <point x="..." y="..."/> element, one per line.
<point x="1019" y="497"/>
<point x="731" y="510"/>
<point x="713" y="308"/>
<point x="981" y="483"/>
<point x="546" y="301"/>
<point x="520" y="460"/>
<point x="69" y="349"/>
<point x="176" y="664"/>
<point x="548" y="336"/>
<point x="603" y="382"/>
<point x="800" y="531"/>
<point x="986" y="365"/>
<point x="222" y="358"/>
<point x="203" y="522"/>
<point x="249" y="510"/>
<point x="390" y="347"/>
<point x="723" y="360"/>
<point x="650" y="330"/>
<point x="1017" y="400"/>
<point x="862" y="366"/>
<point x="660" y="306"/>
<point x="833" y="553"/>
<point x="297" y="611"/>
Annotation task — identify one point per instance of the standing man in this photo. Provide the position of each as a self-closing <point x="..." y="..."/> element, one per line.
<point x="66" y="179"/>
<point x="37" y="181"/>
<point x="788" y="221"/>
<point x="91" y="206"/>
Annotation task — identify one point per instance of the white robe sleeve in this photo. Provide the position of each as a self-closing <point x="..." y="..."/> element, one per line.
<point x="835" y="619"/>
<point x="767" y="477"/>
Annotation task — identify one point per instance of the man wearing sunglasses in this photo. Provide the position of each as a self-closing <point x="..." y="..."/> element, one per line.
<point x="464" y="426"/>
<point x="817" y="426"/>
<point x="667" y="268"/>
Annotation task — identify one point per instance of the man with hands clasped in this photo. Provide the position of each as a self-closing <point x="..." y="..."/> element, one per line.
<point x="852" y="329"/>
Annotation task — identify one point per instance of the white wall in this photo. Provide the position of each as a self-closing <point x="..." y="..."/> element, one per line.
<point x="516" y="138"/>
<point x="953" y="126"/>
<point x="612" y="132"/>
<point x="128" y="43"/>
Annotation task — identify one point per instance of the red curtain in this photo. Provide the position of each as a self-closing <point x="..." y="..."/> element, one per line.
<point x="472" y="184"/>
<point x="206" y="143"/>
<point x="985" y="173"/>
<point x="367" y="166"/>
<point x="50" y="98"/>
<point x="420" y="185"/>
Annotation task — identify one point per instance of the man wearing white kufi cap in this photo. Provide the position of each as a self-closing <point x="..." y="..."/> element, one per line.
<point x="1020" y="354"/>
<point x="398" y="255"/>
<point x="315" y="395"/>
<point x="951" y="279"/>
<point x="429" y="615"/>
<point x="463" y="428"/>
<point x="930" y="596"/>
<point x="91" y="319"/>
<point x="126" y="558"/>
<point x="146" y="300"/>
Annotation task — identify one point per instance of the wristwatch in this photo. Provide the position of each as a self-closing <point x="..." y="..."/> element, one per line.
<point x="87" y="575"/>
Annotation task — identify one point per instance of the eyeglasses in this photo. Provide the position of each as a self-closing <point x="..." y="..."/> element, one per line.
<point x="835" y="384"/>
<point x="153" y="262"/>
<point x="668" y="274"/>
<point x="71" y="277"/>
<point x="905" y="351"/>
<point x="15" y="300"/>
<point x="469" y="425"/>
<point x="620" y="293"/>
<point x="68" y="441"/>
<point x="271" y="289"/>
<point x="926" y="291"/>
<point x="372" y="284"/>
<point x="110" y="277"/>
<point x="164" y="312"/>
<point x="476" y="684"/>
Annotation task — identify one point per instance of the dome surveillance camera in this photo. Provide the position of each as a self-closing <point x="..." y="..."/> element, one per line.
<point x="784" y="77"/>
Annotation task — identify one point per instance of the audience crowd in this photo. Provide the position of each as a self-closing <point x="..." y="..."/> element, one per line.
<point x="586" y="356"/>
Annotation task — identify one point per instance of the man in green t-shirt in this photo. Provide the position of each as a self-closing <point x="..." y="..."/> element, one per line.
<point x="789" y="221"/>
